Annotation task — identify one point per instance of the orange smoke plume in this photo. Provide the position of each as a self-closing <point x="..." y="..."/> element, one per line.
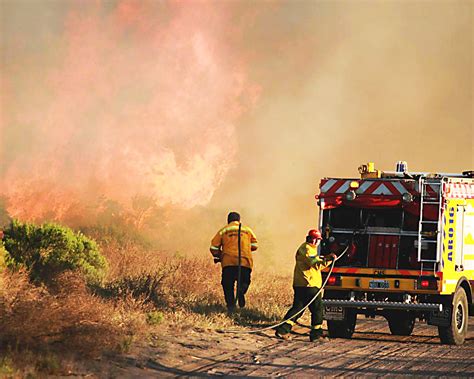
<point x="143" y="101"/>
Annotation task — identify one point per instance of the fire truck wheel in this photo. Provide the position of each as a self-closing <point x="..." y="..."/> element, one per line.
<point x="343" y="328"/>
<point x="456" y="332"/>
<point x="401" y="323"/>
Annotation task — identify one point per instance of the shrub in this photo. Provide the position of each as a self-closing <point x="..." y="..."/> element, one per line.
<point x="146" y="287"/>
<point x="154" y="317"/>
<point x="3" y="254"/>
<point x="6" y="366"/>
<point x="50" y="249"/>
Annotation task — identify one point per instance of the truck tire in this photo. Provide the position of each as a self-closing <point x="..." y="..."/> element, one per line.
<point x="456" y="332"/>
<point x="401" y="323"/>
<point x="343" y="328"/>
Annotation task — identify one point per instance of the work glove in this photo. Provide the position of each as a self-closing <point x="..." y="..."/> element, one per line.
<point x="332" y="256"/>
<point x="217" y="259"/>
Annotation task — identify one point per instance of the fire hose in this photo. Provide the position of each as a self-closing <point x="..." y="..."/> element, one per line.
<point x="239" y="273"/>
<point x="237" y="331"/>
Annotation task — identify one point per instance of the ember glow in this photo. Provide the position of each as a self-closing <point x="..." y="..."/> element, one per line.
<point x="143" y="100"/>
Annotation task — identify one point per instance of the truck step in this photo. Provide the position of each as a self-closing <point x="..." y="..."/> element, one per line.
<point x="382" y="304"/>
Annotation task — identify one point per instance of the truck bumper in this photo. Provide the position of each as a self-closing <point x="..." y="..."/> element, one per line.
<point x="382" y="305"/>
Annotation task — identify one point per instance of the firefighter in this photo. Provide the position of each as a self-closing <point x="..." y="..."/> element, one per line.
<point x="306" y="283"/>
<point x="236" y="263"/>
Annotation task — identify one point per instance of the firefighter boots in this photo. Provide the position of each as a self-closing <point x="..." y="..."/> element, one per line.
<point x="283" y="331"/>
<point x="241" y="300"/>
<point x="316" y="335"/>
<point x="282" y="336"/>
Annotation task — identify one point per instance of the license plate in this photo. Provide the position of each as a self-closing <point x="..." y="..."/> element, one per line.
<point x="333" y="313"/>
<point x="377" y="284"/>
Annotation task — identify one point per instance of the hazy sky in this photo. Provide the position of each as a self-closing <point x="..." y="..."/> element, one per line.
<point x="218" y="106"/>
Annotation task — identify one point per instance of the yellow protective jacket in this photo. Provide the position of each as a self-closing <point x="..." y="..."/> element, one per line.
<point x="308" y="266"/>
<point x="225" y="245"/>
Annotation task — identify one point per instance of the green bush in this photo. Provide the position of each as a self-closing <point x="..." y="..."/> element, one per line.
<point x="145" y="286"/>
<point x="2" y="256"/>
<point x="49" y="249"/>
<point x="154" y="317"/>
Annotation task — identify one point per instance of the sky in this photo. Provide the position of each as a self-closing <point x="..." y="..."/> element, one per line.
<point x="206" y="107"/>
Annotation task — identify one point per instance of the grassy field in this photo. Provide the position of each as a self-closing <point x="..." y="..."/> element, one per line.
<point x="46" y="329"/>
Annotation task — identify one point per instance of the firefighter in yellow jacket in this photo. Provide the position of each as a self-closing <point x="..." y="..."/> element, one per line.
<point x="307" y="282"/>
<point x="236" y="263"/>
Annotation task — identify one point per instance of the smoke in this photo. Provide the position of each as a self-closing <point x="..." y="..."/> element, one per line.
<point x="143" y="99"/>
<point x="346" y="83"/>
<point x="193" y="109"/>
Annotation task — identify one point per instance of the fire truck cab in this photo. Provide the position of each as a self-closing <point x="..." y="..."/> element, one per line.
<point x="408" y="244"/>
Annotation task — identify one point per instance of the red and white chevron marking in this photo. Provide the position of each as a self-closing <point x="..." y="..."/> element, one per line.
<point x="335" y="187"/>
<point x="460" y="190"/>
<point x="366" y="187"/>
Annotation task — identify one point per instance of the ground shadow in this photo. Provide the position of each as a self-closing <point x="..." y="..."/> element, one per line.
<point x="247" y="317"/>
<point x="316" y="369"/>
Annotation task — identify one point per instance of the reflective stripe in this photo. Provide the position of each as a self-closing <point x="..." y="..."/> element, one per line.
<point x="399" y="186"/>
<point x="327" y="186"/>
<point x="316" y="327"/>
<point x="291" y="322"/>
<point x="382" y="190"/>
<point x="254" y="244"/>
<point x="232" y="228"/>
<point x="460" y="190"/>
<point x="435" y="188"/>
<point x="363" y="187"/>
<point x="215" y="248"/>
<point x="344" y="187"/>
<point x="228" y="229"/>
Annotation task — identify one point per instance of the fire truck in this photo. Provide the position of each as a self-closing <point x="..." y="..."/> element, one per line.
<point x="408" y="244"/>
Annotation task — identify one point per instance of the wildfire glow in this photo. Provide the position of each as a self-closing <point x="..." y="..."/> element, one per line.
<point x="143" y="101"/>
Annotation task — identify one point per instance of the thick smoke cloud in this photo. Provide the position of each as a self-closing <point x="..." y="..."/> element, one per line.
<point x="142" y="99"/>
<point x="343" y="84"/>
<point x="205" y="107"/>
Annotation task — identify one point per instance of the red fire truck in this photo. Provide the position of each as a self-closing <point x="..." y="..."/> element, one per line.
<point x="409" y="250"/>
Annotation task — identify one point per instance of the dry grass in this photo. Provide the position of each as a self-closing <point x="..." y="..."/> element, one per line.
<point x="144" y="290"/>
<point x="39" y="323"/>
<point x="188" y="290"/>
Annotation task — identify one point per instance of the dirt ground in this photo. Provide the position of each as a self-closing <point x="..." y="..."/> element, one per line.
<point x="372" y="351"/>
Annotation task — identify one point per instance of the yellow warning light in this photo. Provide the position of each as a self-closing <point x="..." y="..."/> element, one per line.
<point x="354" y="184"/>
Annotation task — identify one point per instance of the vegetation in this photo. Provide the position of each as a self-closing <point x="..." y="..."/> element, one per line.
<point x="58" y="301"/>
<point x="3" y="255"/>
<point x="47" y="250"/>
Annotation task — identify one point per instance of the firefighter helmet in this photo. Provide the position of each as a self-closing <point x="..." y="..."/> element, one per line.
<point x="233" y="216"/>
<point x="315" y="234"/>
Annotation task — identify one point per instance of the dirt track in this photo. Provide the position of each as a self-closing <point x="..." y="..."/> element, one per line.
<point x="373" y="351"/>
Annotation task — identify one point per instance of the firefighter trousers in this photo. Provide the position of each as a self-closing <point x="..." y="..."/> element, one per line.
<point x="229" y="279"/>
<point x="302" y="296"/>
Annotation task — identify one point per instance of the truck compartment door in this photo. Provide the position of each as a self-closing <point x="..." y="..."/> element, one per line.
<point x="383" y="251"/>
